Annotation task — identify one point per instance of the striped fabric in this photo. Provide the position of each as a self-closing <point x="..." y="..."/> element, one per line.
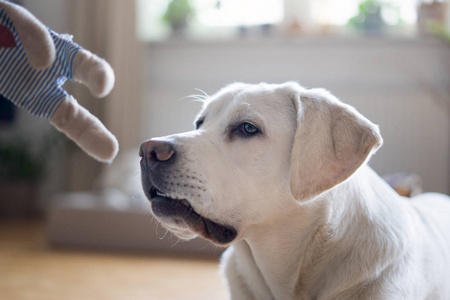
<point x="38" y="91"/>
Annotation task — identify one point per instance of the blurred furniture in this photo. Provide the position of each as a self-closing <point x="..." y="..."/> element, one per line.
<point x="116" y="217"/>
<point x="406" y="185"/>
<point x="102" y="227"/>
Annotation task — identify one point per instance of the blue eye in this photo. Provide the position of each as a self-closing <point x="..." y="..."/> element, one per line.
<point x="248" y="129"/>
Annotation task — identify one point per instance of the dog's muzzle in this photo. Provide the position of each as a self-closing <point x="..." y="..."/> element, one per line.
<point x="158" y="157"/>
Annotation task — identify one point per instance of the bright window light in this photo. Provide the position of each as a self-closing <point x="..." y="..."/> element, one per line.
<point x="332" y="12"/>
<point x="238" y="12"/>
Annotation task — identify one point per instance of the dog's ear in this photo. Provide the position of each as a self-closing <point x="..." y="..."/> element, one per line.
<point x="331" y="142"/>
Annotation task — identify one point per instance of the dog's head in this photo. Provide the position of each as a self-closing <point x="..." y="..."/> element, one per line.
<point x="255" y="148"/>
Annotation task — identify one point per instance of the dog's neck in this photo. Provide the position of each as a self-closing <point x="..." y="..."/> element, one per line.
<point x="291" y="252"/>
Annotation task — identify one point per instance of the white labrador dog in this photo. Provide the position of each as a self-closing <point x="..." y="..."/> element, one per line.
<point x="278" y="172"/>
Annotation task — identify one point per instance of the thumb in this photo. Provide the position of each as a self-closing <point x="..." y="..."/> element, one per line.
<point x="85" y="130"/>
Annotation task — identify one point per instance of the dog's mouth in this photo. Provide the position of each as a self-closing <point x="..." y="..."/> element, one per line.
<point x="180" y="212"/>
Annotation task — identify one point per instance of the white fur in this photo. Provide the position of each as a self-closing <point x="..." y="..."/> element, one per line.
<point x="313" y="220"/>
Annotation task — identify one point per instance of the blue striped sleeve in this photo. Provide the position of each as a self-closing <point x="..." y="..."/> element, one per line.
<point x="38" y="91"/>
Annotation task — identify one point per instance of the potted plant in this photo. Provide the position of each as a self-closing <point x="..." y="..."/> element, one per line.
<point x="177" y="14"/>
<point x="369" y="16"/>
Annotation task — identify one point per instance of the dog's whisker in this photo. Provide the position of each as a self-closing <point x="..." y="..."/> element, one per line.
<point x="234" y="98"/>
<point x="167" y="231"/>
<point x="193" y="98"/>
<point x="205" y="95"/>
<point x="176" y="242"/>
<point x="203" y="247"/>
<point x="196" y="98"/>
<point x="158" y="224"/>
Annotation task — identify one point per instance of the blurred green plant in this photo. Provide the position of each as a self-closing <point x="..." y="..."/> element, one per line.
<point x="177" y="13"/>
<point x="370" y="15"/>
<point x="23" y="159"/>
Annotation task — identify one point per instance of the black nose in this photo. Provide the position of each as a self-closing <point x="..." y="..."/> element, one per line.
<point x="155" y="150"/>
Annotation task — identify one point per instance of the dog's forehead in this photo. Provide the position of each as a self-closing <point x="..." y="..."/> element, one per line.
<point x="243" y="99"/>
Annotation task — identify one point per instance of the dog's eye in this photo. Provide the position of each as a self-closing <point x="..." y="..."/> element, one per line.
<point x="248" y="129"/>
<point x="198" y="124"/>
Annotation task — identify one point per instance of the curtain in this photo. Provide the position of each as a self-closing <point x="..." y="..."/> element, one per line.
<point x="107" y="28"/>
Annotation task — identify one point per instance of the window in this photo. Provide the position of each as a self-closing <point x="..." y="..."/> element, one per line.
<point x="211" y="18"/>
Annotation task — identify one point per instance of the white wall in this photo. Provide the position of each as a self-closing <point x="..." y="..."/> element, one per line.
<point x="402" y="85"/>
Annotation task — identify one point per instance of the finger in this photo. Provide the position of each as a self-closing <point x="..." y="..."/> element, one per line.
<point x="94" y="72"/>
<point x="34" y="36"/>
<point x="85" y="130"/>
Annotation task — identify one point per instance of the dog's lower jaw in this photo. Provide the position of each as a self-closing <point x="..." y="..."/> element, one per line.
<point x="178" y="214"/>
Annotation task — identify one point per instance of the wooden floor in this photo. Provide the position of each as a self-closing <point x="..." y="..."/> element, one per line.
<point x="30" y="270"/>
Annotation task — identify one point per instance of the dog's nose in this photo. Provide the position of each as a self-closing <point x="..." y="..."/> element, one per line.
<point x="157" y="151"/>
